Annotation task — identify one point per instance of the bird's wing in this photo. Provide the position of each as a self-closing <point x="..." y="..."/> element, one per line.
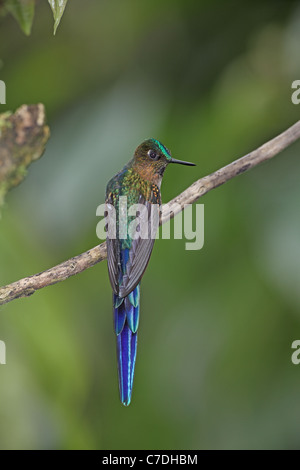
<point x="128" y="258"/>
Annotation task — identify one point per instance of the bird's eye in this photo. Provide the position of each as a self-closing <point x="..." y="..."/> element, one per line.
<point x="152" y="154"/>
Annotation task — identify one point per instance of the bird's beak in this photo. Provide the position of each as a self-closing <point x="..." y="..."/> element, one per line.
<point x="173" y="160"/>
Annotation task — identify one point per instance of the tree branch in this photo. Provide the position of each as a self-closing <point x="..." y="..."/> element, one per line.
<point x="63" y="271"/>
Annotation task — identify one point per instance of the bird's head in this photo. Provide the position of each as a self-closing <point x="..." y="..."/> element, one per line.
<point x="151" y="159"/>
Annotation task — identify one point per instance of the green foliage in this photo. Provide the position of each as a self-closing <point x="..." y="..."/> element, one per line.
<point x="58" y="8"/>
<point x="23" y="11"/>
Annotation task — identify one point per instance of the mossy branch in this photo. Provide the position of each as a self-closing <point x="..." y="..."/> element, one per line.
<point x="61" y="272"/>
<point x="23" y="136"/>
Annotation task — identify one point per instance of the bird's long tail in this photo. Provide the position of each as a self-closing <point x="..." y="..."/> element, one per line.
<point x="126" y="320"/>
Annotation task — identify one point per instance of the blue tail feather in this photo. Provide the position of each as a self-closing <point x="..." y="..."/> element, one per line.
<point x="119" y="317"/>
<point x="126" y="318"/>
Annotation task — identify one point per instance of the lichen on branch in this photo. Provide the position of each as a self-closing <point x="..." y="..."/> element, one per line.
<point x="23" y="136"/>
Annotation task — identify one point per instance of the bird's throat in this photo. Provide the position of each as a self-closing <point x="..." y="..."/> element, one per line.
<point x="148" y="173"/>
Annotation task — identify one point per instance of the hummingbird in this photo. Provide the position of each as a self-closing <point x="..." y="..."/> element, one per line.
<point x="138" y="182"/>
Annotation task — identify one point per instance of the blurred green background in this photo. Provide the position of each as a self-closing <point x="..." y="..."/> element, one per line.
<point x="212" y="81"/>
